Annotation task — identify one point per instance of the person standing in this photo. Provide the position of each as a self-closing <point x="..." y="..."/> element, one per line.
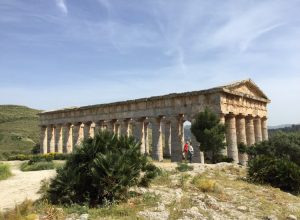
<point x="185" y="150"/>
<point x="190" y="152"/>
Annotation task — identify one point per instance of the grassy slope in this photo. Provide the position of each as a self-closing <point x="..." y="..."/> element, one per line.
<point x="18" y="128"/>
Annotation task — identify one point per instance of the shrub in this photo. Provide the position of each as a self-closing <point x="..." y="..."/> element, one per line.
<point x="42" y="165"/>
<point x="280" y="145"/>
<point x="4" y="171"/>
<point x="242" y="148"/>
<point x="101" y="170"/>
<point x="151" y="171"/>
<point x="222" y="158"/>
<point x="183" y="167"/>
<point x="277" y="172"/>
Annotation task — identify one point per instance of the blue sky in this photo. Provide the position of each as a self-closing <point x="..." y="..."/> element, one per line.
<point x="58" y="53"/>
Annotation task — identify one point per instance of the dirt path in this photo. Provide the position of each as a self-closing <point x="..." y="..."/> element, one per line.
<point x="21" y="185"/>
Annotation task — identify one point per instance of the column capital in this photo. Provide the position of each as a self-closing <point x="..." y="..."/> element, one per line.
<point x="230" y="115"/>
<point x="249" y="116"/>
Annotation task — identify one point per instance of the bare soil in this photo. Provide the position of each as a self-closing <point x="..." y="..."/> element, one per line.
<point x="21" y="185"/>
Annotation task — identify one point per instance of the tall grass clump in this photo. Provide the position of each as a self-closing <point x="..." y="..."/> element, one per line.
<point x="4" y="171"/>
<point x="42" y="165"/>
<point x="100" y="171"/>
<point x="183" y="167"/>
<point x="206" y="185"/>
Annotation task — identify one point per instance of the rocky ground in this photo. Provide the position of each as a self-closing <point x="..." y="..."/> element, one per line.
<point x="206" y="192"/>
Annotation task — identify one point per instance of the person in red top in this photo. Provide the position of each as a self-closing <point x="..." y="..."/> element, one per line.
<point x="185" y="150"/>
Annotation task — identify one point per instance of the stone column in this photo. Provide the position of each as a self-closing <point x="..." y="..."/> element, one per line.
<point x="68" y="140"/>
<point x="146" y="133"/>
<point x="139" y="134"/>
<point x="264" y="129"/>
<point x="125" y="127"/>
<point x="80" y="134"/>
<point x="99" y="126"/>
<point x="241" y="130"/>
<point x="257" y="130"/>
<point x="111" y="126"/>
<point x="176" y="148"/>
<point x="86" y="129"/>
<point x="43" y="140"/>
<point x="51" y="139"/>
<point x="92" y="130"/>
<point x="232" y="149"/>
<point x="157" y="139"/>
<point x="58" y="139"/>
<point x="250" y="131"/>
<point x="241" y="137"/>
<point x="117" y="128"/>
<point x="222" y="121"/>
<point x="198" y="156"/>
<point x="76" y="138"/>
<point x="167" y="149"/>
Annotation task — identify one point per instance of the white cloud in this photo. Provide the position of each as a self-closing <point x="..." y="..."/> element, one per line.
<point x="61" y="4"/>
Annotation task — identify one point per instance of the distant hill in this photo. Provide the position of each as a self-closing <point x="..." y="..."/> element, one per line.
<point x="287" y="128"/>
<point x="18" y="128"/>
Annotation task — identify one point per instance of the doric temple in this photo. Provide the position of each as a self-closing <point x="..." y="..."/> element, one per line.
<point x="242" y="106"/>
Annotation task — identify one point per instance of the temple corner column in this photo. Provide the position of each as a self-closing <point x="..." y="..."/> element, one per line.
<point x="264" y="129"/>
<point x="232" y="149"/>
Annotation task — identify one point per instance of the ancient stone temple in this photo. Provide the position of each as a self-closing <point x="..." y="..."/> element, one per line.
<point x="242" y="106"/>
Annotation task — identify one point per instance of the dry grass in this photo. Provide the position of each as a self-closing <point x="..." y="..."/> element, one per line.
<point x="206" y="185"/>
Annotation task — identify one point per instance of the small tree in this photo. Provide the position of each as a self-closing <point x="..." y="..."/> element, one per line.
<point x="209" y="132"/>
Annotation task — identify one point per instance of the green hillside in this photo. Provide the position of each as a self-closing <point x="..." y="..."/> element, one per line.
<point x="18" y="128"/>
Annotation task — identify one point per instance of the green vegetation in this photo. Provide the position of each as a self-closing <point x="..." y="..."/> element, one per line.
<point x="277" y="162"/>
<point x="18" y="129"/>
<point x="183" y="167"/>
<point x="100" y="171"/>
<point x="39" y="157"/>
<point x="210" y="133"/>
<point x="4" y="171"/>
<point x="42" y="165"/>
<point x="293" y="128"/>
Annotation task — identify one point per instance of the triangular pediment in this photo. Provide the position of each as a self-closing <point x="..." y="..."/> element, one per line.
<point x="247" y="87"/>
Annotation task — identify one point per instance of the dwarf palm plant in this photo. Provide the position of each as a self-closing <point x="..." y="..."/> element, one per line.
<point x="100" y="170"/>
